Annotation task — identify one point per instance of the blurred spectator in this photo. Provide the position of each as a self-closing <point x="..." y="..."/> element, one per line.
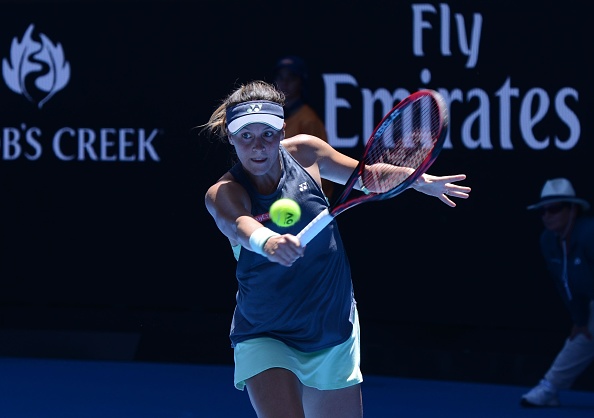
<point x="291" y="77"/>
<point x="567" y="244"/>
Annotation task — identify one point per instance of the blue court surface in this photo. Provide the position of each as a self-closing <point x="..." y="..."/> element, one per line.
<point x="50" y="388"/>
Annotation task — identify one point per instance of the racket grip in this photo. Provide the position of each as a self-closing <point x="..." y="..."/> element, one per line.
<point x="315" y="226"/>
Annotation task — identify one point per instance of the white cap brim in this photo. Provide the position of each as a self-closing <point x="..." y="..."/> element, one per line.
<point x="241" y="122"/>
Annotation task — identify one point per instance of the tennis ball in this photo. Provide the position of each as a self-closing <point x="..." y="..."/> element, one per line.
<point x="285" y="212"/>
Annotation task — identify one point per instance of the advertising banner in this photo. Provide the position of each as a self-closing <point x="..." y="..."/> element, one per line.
<point x="103" y="167"/>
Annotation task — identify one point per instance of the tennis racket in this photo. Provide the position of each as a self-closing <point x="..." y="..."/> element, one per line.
<point x="401" y="148"/>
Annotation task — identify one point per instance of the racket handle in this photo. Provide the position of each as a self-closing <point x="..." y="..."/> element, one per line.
<point x="315" y="226"/>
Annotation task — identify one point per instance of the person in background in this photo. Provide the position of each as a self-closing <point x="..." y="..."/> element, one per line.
<point x="567" y="244"/>
<point x="295" y="328"/>
<point x="292" y="78"/>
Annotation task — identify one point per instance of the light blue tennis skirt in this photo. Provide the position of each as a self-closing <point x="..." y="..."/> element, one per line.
<point x="331" y="368"/>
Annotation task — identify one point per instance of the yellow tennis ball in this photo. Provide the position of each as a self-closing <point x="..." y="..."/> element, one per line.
<point x="285" y="212"/>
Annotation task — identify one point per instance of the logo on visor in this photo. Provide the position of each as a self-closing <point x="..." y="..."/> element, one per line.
<point x="37" y="70"/>
<point x="256" y="107"/>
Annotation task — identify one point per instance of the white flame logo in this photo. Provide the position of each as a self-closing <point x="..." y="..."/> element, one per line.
<point x="43" y="60"/>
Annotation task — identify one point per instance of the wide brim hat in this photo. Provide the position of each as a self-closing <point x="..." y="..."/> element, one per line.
<point x="558" y="190"/>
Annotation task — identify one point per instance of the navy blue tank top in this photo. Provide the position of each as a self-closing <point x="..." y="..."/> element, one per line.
<point x="308" y="306"/>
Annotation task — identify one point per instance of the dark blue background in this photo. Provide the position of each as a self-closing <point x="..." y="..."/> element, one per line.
<point x="128" y="247"/>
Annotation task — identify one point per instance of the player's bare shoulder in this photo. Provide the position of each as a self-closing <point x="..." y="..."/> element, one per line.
<point x="306" y="148"/>
<point x="301" y="141"/>
<point x="224" y="186"/>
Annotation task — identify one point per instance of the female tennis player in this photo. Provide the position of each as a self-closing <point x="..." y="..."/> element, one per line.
<point x="295" y="331"/>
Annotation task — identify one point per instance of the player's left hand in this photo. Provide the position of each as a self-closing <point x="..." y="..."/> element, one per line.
<point x="442" y="187"/>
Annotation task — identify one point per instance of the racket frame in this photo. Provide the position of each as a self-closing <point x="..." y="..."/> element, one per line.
<point x="341" y="204"/>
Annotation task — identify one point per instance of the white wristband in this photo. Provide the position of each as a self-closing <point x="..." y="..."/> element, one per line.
<point x="259" y="237"/>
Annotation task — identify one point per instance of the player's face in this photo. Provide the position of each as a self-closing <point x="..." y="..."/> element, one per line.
<point x="257" y="146"/>
<point x="556" y="216"/>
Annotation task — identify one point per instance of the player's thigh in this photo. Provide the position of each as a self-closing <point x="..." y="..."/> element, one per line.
<point x="276" y="393"/>
<point x="338" y="403"/>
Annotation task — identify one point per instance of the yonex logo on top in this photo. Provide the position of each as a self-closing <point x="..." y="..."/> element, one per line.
<point x="41" y="63"/>
<point x="256" y="107"/>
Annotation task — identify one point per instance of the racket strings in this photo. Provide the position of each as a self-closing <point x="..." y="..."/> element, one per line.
<point x="401" y="144"/>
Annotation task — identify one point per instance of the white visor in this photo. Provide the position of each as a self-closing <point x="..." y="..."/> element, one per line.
<point x="268" y="113"/>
